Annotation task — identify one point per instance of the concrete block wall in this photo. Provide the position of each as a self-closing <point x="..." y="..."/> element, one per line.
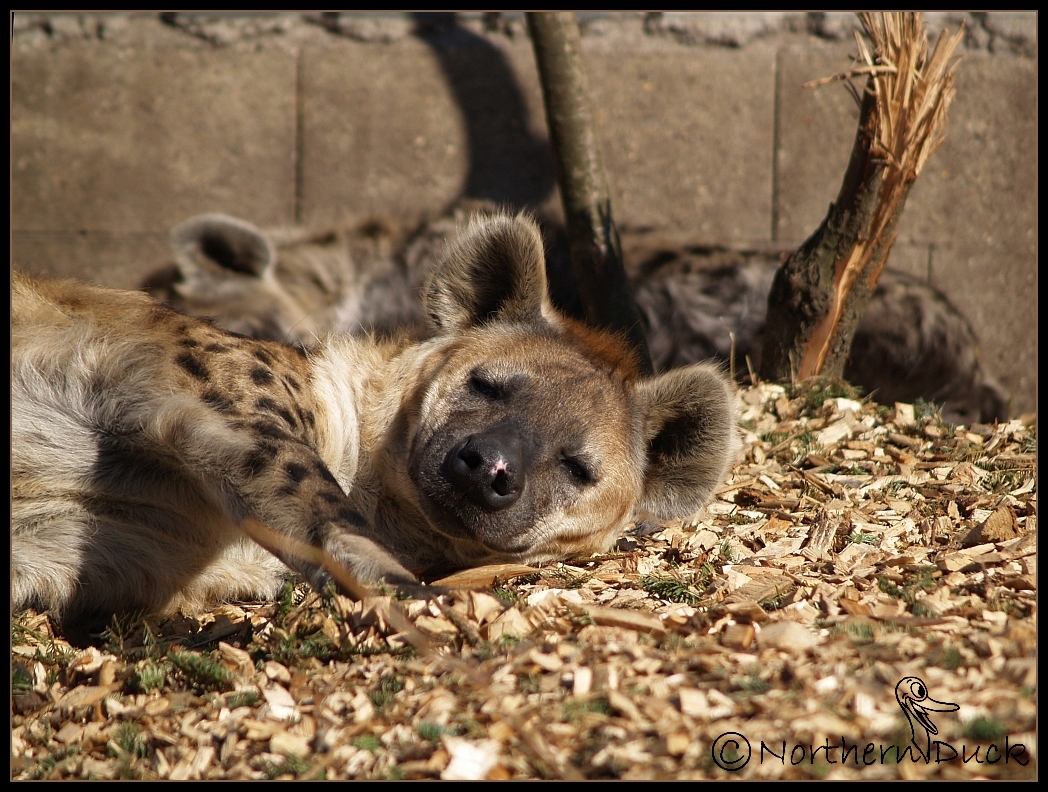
<point x="125" y="124"/>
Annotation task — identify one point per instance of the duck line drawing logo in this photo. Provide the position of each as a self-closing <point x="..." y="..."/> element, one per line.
<point x="916" y="703"/>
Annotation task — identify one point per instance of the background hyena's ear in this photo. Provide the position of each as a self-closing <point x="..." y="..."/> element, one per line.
<point x="206" y="242"/>
<point x="494" y="270"/>
<point x="692" y="438"/>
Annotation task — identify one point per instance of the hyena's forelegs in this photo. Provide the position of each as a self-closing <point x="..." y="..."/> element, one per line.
<point x="271" y="475"/>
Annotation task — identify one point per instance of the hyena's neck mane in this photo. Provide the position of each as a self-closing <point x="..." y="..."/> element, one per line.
<point x="370" y="394"/>
<point x="606" y="349"/>
<point x="362" y="385"/>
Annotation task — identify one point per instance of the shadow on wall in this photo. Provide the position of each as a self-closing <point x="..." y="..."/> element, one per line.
<point x="507" y="163"/>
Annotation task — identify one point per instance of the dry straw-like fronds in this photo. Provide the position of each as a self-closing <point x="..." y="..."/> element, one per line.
<point x="913" y="90"/>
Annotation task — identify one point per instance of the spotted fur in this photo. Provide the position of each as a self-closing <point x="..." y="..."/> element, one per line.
<point x="910" y="344"/>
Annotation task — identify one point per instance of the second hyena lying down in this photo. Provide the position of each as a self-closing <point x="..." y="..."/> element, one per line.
<point x="286" y="285"/>
<point x="142" y="439"/>
<point x="910" y="344"/>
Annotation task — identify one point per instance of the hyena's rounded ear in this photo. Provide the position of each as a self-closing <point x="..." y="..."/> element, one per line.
<point x="495" y="270"/>
<point x="692" y="438"/>
<point x="206" y="242"/>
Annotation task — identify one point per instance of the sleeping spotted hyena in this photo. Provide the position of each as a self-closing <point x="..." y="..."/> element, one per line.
<point x="144" y="440"/>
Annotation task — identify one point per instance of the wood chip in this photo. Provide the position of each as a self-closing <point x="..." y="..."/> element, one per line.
<point x="485" y="576"/>
<point x="762" y="588"/>
<point x="738" y="636"/>
<point x="824" y="530"/>
<point x="85" y="696"/>
<point x="854" y="556"/>
<point x="625" y="707"/>
<point x="511" y="624"/>
<point x="281" y="705"/>
<point x="1000" y="526"/>
<point x="787" y="635"/>
<point x="746" y="611"/>
<point x="289" y="744"/>
<point x="625" y="619"/>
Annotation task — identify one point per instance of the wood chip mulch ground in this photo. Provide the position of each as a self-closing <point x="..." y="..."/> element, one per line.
<point x="856" y="547"/>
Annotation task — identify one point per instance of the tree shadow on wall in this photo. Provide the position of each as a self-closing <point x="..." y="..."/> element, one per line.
<point x="507" y="163"/>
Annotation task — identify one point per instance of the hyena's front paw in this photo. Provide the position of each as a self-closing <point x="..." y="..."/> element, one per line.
<point x="354" y="563"/>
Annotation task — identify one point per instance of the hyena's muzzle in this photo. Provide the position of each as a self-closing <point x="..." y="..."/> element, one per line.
<point x="485" y="484"/>
<point x="527" y="450"/>
<point x="488" y="468"/>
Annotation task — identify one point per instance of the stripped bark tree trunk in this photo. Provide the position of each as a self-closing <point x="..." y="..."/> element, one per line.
<point x="596" y="252"/>
<point x="820" y="292"/>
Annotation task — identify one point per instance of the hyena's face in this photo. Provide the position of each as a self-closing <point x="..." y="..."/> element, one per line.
<point x="531" y="437"/>
<point x="527" y="446"/>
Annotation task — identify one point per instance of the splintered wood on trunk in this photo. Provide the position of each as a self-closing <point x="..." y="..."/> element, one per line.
<point x="596" y="252"/>
<point x="821" y="291"/>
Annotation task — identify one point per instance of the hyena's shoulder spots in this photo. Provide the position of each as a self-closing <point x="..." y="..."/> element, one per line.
<point x="143" y="438"/>
<point x="232" y="373"/>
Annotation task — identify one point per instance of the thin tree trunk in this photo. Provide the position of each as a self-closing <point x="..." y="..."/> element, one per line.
<point x="821" y="291"/>
<point x="596" y="252"/>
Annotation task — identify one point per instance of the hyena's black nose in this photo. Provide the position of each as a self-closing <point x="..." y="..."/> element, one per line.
<point x="487" y="469"/>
